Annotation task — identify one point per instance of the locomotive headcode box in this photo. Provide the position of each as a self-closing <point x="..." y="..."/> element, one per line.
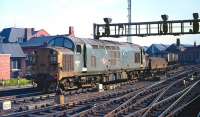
<point x="5" y="104"/>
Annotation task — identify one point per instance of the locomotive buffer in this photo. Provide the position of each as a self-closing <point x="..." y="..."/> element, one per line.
<point x="165" y="27"/>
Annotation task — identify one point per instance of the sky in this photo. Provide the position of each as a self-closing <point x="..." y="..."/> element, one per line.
<point x="55" y="16"/>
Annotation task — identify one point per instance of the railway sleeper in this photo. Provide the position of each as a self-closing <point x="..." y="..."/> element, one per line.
<point x="38" y="105"/>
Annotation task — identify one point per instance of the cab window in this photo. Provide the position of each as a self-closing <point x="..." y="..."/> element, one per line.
<point x="53" y="58"/>
<point x="78" y="49"/>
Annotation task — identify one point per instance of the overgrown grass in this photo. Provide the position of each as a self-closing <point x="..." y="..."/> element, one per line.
<point x="15" y="82"/>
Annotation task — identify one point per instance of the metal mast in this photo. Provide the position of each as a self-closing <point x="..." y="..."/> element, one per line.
<point x="129" y="21"/>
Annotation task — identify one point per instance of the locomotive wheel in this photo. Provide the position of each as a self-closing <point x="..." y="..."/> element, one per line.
<point x="65" y="85"/>
<point x="52" y="87"/>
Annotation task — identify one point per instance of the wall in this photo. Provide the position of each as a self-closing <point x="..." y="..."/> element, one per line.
<point x="4" y="66"/>
<point x="190" y="55"/>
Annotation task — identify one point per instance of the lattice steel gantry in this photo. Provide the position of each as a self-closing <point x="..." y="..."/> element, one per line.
<point x="165" y="27"/>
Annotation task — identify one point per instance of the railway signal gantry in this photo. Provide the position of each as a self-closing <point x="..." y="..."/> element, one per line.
<point x="154" y="28"/>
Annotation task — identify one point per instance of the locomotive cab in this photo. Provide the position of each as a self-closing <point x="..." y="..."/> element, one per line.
<point x="51" y="66"/>
<point x="45" y="66"/>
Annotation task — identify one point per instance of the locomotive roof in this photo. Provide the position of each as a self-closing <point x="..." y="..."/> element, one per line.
<point x="41" y="41"/>
<point x="94" y="41"/>
<point x="102" y="42"/>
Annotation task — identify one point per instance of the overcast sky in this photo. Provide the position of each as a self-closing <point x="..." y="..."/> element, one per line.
<point x="55" y="16"/>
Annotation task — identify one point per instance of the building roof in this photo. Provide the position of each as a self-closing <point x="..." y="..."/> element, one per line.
<point x="145" y="48"/>
<point x="5" y="34"/>
<point x="192" y="49"/>
<point x="160" y="47"/>
<point x="156" y="49"/>
<point x="175" y="48"/>
<point x="11" y="48"/>
<point x="40" y="33"/>
<point x="14" y="34"/>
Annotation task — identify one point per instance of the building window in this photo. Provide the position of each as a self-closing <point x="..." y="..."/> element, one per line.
<point x="20" y="40"/>
<point x="1" y="39"/>
<point x="15" y="64"/>
<point x="31" y="60"/>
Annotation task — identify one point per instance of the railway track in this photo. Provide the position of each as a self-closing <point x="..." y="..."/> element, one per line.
<point x="31" y="101"/>
<point x="101" y="111"/>
<point x="20" y="92"/>
<point x="169" y="106"/>
<point x="97" y="103"/>
<point x="34" y="102"/>
<point x="85" y="101"/>
<point x="39" y="101"/>
<point x="169" y="95"/>
<point x="110" y="104"/>
<point x="178" y="105"/>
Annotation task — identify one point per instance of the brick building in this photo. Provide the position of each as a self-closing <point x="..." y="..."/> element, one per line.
<point x="5" y="66"/>
<point x="17" y="58"/>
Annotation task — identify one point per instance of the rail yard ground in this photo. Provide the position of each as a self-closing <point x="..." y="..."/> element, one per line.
<point x="173" y="94"/>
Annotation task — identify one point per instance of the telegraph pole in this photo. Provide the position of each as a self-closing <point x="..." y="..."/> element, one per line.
<point x="129" y="21"/>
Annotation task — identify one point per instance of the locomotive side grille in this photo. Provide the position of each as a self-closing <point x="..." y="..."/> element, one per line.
<point x="115" y="56"/>
<point x="68" y="63"/>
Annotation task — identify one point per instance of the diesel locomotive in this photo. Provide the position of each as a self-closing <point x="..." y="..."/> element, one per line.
<point x="77" y="62"/>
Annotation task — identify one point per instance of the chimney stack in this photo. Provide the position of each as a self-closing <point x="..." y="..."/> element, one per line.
<point x="28" y="33"/>
<point x="178" y="43"/>
<point x="71" y="31"/>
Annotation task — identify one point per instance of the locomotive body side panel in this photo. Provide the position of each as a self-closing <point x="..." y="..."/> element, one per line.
<point x="130" y="57"/>
<point x="97" y="59"/>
